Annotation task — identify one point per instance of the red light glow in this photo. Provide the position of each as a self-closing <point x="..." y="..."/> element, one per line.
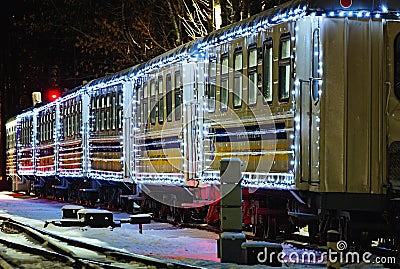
<point x="53" y="94"/>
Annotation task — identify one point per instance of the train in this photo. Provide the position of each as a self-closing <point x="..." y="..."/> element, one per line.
<point x="306" y="94"/>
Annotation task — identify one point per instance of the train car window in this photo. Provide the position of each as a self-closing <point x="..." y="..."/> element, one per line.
<point x="95" y="122"/>
<point x="45" y="129"/>
<point x="212" y="84"/>
<point x="238" y="79"/>
<point x="284" y="68"/>
<point x="178" y="95"/>
<point x="119" y="110"/>
<point x="40" y="135"/>
<point x="224" y="90"/>
<point x="71" y="124"/>
<point x="267" y="71"/>
<point x="153" y="104"/>
<point x="107" y="114"/>
<point x="397" y="66"/>
<point x="102" y="114"/>
<point x="98" y="117"/>
<point x="108" y="119"/>
<point x="79" y="123"/>
<point x="75" y="118"/>
<point x="144" y="106"/>
<point x="67" y="127"/>
<point x="113" y="110"/>
<point x="315" y="66"/>
<point x="253" y="76"/>
<point x="160" y="100"/>
<point x="169" y="97"/>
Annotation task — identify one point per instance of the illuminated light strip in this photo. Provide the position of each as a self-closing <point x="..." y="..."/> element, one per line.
<point x="67" y="144"/>
<point x="25" y="171"/>
<point x="69" y="152"/>
<point x="74" y="157"/>
<point x="103" y="175"/>
<point x="105" y="160"/>
<point x="151" y="158"/>
<point x="70" y="173"/>
<point x="291" y="15"/>
<point x="26" y="159"/>
<point x="45" y="173"/>
<point x="244" y="153"/>
<point x="106" y="172"/>
<point x="45" y="166"/>
<point x="69" y="164"/>
<point x="170" y="181"/>
<point x="46" y="157"/>
<point x="45" y="146"/>
<point x="267" y="22"/>
<point x="25" y="149"/>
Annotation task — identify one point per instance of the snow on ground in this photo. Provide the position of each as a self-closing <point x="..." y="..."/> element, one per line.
<point x="160" y="240"/>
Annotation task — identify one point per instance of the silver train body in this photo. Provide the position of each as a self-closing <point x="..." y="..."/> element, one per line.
<point x="305" y="94"/>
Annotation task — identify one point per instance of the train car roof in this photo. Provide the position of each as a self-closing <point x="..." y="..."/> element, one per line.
<point x="170" y="56"/>
<point x="10" y="120"/>
<point x="114" y="76"/>
<point x="379" y="6"/>
<point x="297" y="9"/>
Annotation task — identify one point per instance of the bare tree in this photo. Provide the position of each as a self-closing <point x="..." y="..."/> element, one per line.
<point x="196" y="18"/>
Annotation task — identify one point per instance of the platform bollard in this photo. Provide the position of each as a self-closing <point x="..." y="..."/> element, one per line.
<point x="231" y="238"/>
<point x="333" y="260"/>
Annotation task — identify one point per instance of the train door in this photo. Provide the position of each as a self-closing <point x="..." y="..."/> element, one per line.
<point x="307" y="129"/>
<point x="189" y="126"/>
<point x="392" y="101"/>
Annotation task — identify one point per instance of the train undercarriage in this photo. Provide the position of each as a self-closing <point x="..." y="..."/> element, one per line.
<point x="267" y="215"/>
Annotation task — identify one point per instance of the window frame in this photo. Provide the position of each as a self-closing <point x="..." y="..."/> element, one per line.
<point x="224" y="77"/>
<point x="212" y="85"/>
<point x="161" y="93"/>
<point x="169" y="94"/>
<point x="316" y="50"/>
<point x="178" y="95"/>
<point x="268" y="45"/>
<point x="252" y="70"/>
<point x="285" y="65"/>
<point x="153" y="103"/>
<point x="237" y="74"/>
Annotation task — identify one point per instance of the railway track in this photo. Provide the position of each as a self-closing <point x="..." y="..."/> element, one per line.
<point x="24" y="246"/>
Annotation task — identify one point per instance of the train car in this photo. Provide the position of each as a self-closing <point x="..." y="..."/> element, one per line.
<point x="164" y="137"/>
<point x="46" y="149"/>
<point x="25" y="145"/>
<point x="107" y="140"/>
<point x="72" y="144"/>
<point x="11" y="157"/>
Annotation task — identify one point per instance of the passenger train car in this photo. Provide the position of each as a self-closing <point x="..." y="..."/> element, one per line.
<point x="305" y="94"/>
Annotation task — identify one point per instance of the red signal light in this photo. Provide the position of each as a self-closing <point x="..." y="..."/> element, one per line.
<point x="53" y="94"/>
<point x="346" y="3"/>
